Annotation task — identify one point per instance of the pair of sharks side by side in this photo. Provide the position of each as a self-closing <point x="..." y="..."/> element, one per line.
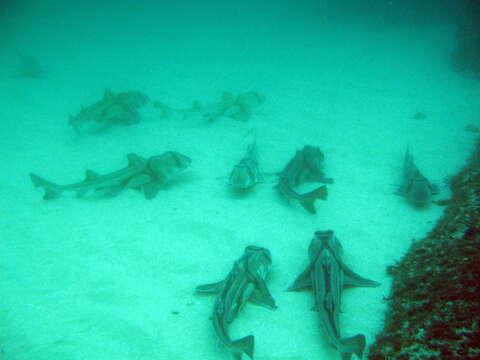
<point x="326" y="274"/>
<point x="147" y="175"/>
<point x="305" y="166"/>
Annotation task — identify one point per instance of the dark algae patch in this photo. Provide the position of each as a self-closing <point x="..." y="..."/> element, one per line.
<point x="434" y="307"/>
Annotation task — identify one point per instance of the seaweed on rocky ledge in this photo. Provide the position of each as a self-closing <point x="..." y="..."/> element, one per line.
<point x="433" y="309"/>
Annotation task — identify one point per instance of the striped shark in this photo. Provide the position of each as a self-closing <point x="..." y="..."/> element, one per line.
<point x="237" y="107"/>
<point x="327" y="275"/>
<point x="148" y="175"/>
<point x="246" y="173"/>
<point x="306" y="165"/>
<point x="415" y="187"/>
<point x="245" y="282"/>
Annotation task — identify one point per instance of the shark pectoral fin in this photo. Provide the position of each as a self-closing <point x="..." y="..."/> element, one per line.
<point x="303" y="280"/>
<point x="261" y="296"/>
<point x="134" y="159"/>
<point x="151" y="189"/>
<point x="210" y="288"/>
<point x="352" y="279"/>
<point x="138" y="180"/>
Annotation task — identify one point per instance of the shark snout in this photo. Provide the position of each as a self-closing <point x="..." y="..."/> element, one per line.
<point x="419" y="193"/>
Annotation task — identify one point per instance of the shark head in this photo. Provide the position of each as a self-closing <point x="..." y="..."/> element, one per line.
<point x="242" y="176"/>
<point x="313" y="158"/>
<point x="418" y="191"/>
<point x="323" y="240"/>
<point x="168" y="164"/>
<point x="258" y="260"/>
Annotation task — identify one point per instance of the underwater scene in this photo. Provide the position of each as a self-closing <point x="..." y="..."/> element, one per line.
<point x="211" y="180"/>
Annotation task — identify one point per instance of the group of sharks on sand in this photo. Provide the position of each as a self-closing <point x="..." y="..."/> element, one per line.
<point x="150" y="175"/>
<point x="306" y="166"/>
<point x="155" y="173"/>
<point x="123" y="109"/>
<point x="326" y="274"/>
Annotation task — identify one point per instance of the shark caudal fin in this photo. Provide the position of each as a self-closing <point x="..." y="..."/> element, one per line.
<point x="51" y="190"/>
<point x="242" y="346"/>
<point x="309" y="198"/>
<point x="354" y="344"/>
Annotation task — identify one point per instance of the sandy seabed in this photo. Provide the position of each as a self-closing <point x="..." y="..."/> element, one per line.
<point x="114" y="278"/>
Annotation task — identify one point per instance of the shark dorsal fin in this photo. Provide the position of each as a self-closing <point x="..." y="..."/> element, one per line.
<point x="134" y="159"/>
<point x="90" y="175"/>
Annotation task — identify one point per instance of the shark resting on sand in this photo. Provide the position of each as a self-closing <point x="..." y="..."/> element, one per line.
<point x="148" y="175"/>
<point x="415" y="187"/>
<point x="112" y="109"/>
<point x="245" y="282"/>
<point x="327" y="275"/>
<point x="239" y="107"/>
<point x="306" y="166"/>
<point x="246" y="173"/>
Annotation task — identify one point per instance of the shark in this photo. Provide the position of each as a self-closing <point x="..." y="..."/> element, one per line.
<point x="327" y="275"/>
<point x="245" y="282"/>
<point x="246" y="173"/>
<point x="415" y="187"/>
<point x="305" y="166"/>
<point x="238" y="107"/>
<point x="146" y="174"/>
<point x="112" y="109"/>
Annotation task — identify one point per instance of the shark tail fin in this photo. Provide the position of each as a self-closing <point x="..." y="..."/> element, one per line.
<point x="354" y="344"/>
<point x="243" y="346"/>
<point x="309" y="198"/>
<point x="50" y="188"/>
